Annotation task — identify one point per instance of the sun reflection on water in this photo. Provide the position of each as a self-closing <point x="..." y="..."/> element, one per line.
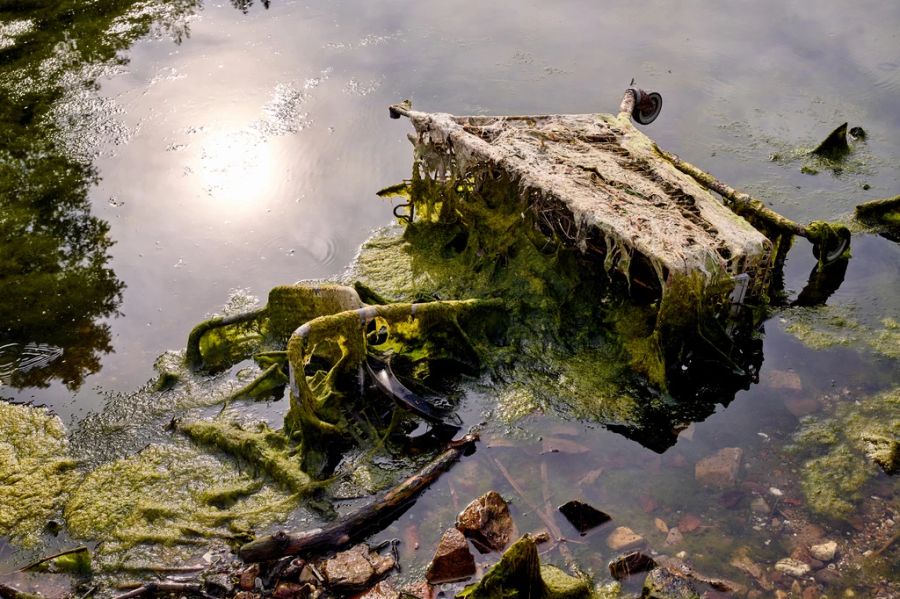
<point x="237" y="167"/>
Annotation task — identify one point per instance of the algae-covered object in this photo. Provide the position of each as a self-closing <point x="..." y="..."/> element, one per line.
<point x="520" y="575"/>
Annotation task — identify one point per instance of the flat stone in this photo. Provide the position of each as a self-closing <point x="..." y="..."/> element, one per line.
<point x="630" y="563"/>
<point x="487" y="522"/>
<point x="720" y="469"/>
<point x="783" y="379"/>
<point x="792" y="567"/>
<point x="452" y="560"/>
<point x="582" y="516"/>
<point x="661" y="525"/>
<point x="356" y="569"/>
<point x="623" y="538"/>
<point x="802" y="406"/>
<point x="824" y="552"/>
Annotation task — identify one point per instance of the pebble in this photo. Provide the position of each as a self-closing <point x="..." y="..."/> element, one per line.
<point x="661" y="525"/>
<point x="792" y="567"/>
<point x="759" y="506"/>
<point x="719" y="469"/>
<point x="824" y="552"/>
<point x="674" y="537"/>
<point x="623" y="538"/>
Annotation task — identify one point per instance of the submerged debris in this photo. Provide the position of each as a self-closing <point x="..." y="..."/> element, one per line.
<point x="835" y="146"/>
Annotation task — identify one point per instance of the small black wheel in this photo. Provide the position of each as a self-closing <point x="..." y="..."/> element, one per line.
<point x="837" y="245"/>
<point x="647" y="107"/>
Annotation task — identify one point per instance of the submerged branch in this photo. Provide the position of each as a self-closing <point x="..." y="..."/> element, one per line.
<point x="363" y="520"/>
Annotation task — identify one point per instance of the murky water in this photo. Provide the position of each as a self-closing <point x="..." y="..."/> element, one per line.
<point x="238" y="147"/>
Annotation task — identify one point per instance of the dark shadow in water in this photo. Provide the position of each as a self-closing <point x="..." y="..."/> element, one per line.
<point x="57" y="287"/>
<point x="244" y="5"/>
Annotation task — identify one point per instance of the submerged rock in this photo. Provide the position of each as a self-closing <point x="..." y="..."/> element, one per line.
<point x="661" y="583"/>
<point x="630" y="563"/>
<point x="452" y="559"/>
<point x="824" y="552"/>
<point x="623" y="538"/>
<point x="582" y="516"/>
<point x="720" y="469"/>
<point x="792" y="567"/>
<point x="487" y="522"/>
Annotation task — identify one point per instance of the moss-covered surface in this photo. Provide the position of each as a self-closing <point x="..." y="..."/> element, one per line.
<point x="36" y="472"/>
<point x="845" y="449"/>
<point x="826" y="327"/>
<point x="519" y="574"/>
<point x="266" y="450"/>
<point x="170" y="495"/>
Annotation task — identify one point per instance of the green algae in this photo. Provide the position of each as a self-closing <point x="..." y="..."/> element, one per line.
<point x="265" y="449"/>
<point x="848" y="444"/>
<point x="519" y="574"/>
<point x="826" y="327"/>
<point x="169" y="495"/>
<point x="36" y="472"/>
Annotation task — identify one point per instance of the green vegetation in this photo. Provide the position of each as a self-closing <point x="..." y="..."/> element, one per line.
<point x="519" y="574"/>
<point x="846" y="448"/>
<point x="36" y="472"/>
<point x="170" y="495"/>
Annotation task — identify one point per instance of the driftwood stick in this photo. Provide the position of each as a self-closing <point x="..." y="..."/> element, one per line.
<point x="163" y="587"/>
<point x="552" y="528"/>
<point x="37" y="563"/>
<point x="364" y="520"/>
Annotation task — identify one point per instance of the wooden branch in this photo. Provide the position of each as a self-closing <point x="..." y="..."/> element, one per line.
<point x="37" y="563"/>
<point x="878" y="207"/>
<point x="364" y="520"/>
<point x="163" y="587"/>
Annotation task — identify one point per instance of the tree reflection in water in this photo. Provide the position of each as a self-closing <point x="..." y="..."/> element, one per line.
<point x="56" y="286"/>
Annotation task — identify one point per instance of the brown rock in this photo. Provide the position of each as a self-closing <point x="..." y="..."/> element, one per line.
<point x="382" y="590"/>
<point x="356" y="569"/>
<point x="783" y="379"/>
<point x="248" y="577"/>
<point x="827" y="576"/>
<point x="452" y="560"/>
<point x="741" y="560"/>
<point x="689" y="523"/>
<point x="810" y="593"/>
<point x="291" y="590"/>
<point x="802" y="406"/>
<point x="624" y="538"/>
<point x="661" y="525"/>
<point x="674" y="536"/>
<point x="719" y="469"/>
<point x="420" y="590"/>
<point x="487" y="522"/>
<point x="631" y="563"/>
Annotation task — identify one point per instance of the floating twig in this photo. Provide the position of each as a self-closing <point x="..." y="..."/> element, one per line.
<point x="364" y="520"/>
